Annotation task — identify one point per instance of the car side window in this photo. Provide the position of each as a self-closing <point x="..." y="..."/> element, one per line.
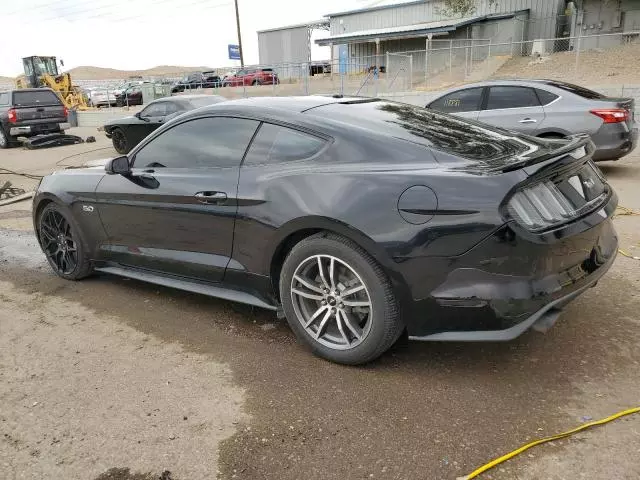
<point x="545" y="97"/>
<point x="275" y="144"/>
<point x="155" y="110"/>
<point x="511" y="97"/>
<point x="4" y="99"/>
<point x="461" y="101"/>
<point x="212" y="142"/>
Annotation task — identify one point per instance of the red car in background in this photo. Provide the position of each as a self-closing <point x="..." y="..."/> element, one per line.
<point x="251" y="76"/>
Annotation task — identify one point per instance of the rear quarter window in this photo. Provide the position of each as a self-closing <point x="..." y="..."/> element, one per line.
<point x="545" y="97"/>
<point x="4" y="98"/>
<point x="275" y="144"/>
<point x="40" y="97"/>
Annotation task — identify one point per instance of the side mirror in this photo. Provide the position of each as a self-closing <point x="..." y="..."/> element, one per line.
<point x="118" y="166"/>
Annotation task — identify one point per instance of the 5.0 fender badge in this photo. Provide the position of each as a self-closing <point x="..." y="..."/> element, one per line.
<point x="87" y="208"/>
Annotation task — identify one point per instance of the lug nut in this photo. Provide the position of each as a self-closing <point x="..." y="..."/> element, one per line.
<point x="341" y="305"/>
<point x="324" y="302"/>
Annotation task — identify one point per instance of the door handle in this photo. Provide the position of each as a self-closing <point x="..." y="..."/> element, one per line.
<point x="211" y="197"/>
<point x="528" y="120"/>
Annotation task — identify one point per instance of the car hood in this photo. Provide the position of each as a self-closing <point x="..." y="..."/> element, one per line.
<point x="96" y="163"/>
<point x="99" y="163"/>
<point x="120" y="121"/>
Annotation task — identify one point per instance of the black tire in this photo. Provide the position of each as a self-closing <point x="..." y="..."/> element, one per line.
<point x="120" y="141"/>
<point x="78" y="265"/>
<point x="255" y="83"/>
<point x="6" y="140"/>
<point x="382" y="325"/>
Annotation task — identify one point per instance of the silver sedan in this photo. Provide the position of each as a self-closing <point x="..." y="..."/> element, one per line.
<point x="547" y="108"/>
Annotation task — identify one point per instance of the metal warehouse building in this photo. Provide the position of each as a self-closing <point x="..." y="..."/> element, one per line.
<point x="287" y="48"/>
<point x="415" y="35"/>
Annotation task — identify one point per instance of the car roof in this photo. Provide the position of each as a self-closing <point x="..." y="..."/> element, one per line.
<point x="181" y="98"/>
<point x="292" y="104"/>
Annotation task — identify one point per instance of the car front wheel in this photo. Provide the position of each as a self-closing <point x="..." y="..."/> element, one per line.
<point x="338" y="300"/>
<point x="61" y="242"/>
<point x="120" y="141"/>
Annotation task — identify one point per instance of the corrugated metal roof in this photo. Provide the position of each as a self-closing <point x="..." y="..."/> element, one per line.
<point x="323" y="21"/>
<point x="403" y="31"/>
<point x="378" y="6"/>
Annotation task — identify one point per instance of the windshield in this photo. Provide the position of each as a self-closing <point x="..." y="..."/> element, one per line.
<point x="45" y="65"/>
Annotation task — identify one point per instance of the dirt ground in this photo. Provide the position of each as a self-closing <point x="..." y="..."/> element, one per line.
<point x="110" y="378"/>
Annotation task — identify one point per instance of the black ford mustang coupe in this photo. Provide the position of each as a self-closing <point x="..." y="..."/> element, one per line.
<point x="357" y="219"/>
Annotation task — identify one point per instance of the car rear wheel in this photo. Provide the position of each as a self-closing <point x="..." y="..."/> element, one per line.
<point x="256" y="83"/>
<point x="338" y="300"/>
<point x="4" y="139"/>
<point x="61" y="242"/>
<point x="120" y="141"/>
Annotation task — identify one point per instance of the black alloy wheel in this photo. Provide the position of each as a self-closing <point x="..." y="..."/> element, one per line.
<point x="60" y="241"/>
<point x="120" y="142"/>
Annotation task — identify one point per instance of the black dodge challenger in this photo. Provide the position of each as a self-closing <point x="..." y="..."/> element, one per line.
<point x="357" y="219"/>
<point x="127" y="132"/>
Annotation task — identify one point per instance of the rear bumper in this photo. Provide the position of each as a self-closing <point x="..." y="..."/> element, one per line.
<point x="509" y="282"/>
<point x="38" y="129"/>
<point x="542" y="319"/>
<point x="614" y="141"/>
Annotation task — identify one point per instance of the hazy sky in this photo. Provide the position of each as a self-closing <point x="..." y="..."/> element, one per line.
<point x="137" y="34"/>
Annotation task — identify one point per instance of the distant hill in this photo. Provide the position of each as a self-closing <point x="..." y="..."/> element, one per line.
<point x="99" y="73"/>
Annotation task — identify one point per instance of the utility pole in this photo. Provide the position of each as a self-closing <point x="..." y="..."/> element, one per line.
<point x="239" y="35"/>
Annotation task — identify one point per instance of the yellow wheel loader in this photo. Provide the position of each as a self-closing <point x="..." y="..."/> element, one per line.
<point x="43" y="72"/>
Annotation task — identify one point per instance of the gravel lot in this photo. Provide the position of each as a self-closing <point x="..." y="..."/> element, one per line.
<point x="114" y="379"/>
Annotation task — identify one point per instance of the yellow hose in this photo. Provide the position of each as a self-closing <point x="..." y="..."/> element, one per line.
<point x="626" y="254"/>
<point x="585" y="426"/>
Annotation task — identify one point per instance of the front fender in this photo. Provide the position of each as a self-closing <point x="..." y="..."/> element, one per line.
<point x="74" y="190"/>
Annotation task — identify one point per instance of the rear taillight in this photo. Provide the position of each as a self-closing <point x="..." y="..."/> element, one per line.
<point x="11" y="114"/>
<point x="552" y="202"/>
<point x="65" y="110"/>
<point x="612" y="115"/>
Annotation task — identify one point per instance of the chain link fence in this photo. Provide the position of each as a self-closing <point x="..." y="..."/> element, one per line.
<point x="589" y="60"/>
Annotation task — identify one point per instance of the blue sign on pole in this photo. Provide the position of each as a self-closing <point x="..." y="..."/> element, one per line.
<point x="234" y="52"/>
<point x="343" y="56"/>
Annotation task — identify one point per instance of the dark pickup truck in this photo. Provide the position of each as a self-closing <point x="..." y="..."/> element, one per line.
<point x="28" y="112"/>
